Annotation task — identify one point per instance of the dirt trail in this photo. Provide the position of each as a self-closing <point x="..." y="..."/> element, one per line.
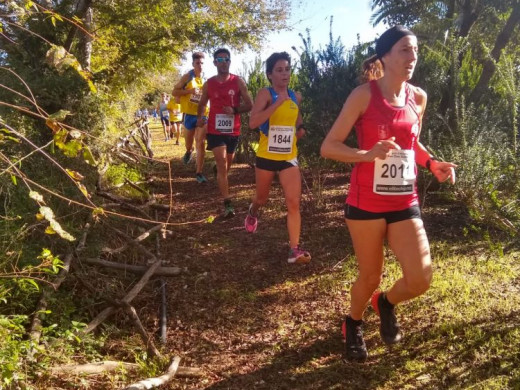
<point x="239" y="312"/>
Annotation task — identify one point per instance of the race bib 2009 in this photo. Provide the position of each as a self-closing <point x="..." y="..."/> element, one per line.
<point x="224" y="123"/>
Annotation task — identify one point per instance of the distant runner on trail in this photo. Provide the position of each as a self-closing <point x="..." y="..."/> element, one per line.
<point x="189" y="89"/>
<point x="174" y="108"/>
<point x="382" y="202"/>
<point x="164" y="114"/>
<point x="276" y="112"/>
<point x="228" y="97"/>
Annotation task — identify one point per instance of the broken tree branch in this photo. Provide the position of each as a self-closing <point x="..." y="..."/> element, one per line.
<point x="137" y="269"/>
<point x="147" y="340"/>
<point x="123" y="202"/>
<point x="140" y="238"/>
<point x="127" y="299"/>
<point x="159" y="381"/>
<point x="110" y="366"/>
<point x="132" y="241"/>
<point x="137" y="188"/>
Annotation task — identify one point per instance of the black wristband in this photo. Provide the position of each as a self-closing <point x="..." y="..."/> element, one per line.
<point x="429" y="162"/>
<point x="235" y="110"/>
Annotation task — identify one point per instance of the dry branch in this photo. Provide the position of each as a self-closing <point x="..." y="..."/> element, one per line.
<point x="127" y="299"/>
<point x="137" y="188"/>
<point x="138" y="269"/>
<point x="133" y="242"/>
<point x="110" y="366"/>
<point x="137" y="239"/>
<point x="93" y="368"/>
<point x="127" y="159"/>
<point x="159" y="381"/>
<point x="146" y="137"/>
<point x="156" y="263"/>
<point x="147" y="340"/>
<point x="123" y="202"/>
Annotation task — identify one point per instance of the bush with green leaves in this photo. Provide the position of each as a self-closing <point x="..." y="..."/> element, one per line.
<point x="325" y="77"/>
<point x="488" y="175"/>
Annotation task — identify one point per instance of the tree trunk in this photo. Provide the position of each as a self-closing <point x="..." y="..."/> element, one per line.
<point x="84" y="12"/>
<point x="490" y="63"/>
<point x="85" y="41"/>
<point x="469" y="15"/>
<point x="451" y="10"/>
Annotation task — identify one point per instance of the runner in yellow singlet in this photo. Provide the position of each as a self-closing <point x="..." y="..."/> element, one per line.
<point x="276" y="112"/>
<point x="174" y="108"/>
<point x="189" y="89"/>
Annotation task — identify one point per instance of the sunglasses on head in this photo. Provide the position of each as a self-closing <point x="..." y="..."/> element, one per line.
<point x="222" y="59"/>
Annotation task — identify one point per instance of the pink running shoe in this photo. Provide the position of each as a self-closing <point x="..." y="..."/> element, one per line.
<point x="298" y="256"/>
<point x="251" y="223"/>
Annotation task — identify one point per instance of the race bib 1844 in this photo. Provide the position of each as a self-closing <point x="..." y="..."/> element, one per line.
<point x="395" y="175"/>
<point x="280" y="139"/>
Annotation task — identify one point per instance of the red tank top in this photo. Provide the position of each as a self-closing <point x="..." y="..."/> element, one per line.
<point x="220" y="95"/>
<point x="381" y="121"/>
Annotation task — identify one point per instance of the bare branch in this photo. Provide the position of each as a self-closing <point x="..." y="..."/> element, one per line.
<point x="154" y="382"/>
<point x="147" y="340"/>
<point x="140" y="238"/>
<point x="138" y="269"/>
<point x="110" y="366"/>
<point x="127" y="299"/>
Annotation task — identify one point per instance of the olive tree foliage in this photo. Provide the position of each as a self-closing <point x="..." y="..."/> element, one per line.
<point x="121" y="43"/>
<point x="490" y="29"/>
<point x="458" y="15"/>
<point x="134" y="35"/>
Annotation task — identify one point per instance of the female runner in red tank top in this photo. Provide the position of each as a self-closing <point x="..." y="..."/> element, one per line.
<point x="382" y="202"/>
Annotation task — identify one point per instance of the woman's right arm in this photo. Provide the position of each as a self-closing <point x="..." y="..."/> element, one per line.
<point x="333" y="146"/>
<point x="263" y="109"/>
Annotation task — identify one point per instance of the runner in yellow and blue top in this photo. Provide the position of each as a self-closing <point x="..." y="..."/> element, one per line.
<point x="276" y="112"/>
<point x="189" y="89"/>
<point x="174" y="108"/>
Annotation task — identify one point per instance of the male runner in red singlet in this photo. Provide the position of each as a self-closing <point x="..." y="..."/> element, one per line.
<point x="228" y="97"/>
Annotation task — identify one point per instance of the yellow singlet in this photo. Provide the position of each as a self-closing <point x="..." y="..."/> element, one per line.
<point x="189" y="103"/>
<point x="278" y="135"/>
<point x="175" y="111"/>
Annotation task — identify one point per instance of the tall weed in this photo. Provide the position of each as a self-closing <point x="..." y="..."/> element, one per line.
<point x="488" y="176"/>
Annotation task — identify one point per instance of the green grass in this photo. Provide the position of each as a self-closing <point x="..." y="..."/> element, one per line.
<point x="462" y="334"/>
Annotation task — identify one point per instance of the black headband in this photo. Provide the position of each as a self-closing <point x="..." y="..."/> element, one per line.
<point x="389" y="38"/>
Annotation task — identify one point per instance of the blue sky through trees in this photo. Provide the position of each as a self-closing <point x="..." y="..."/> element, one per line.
<point x="350" y="18"/>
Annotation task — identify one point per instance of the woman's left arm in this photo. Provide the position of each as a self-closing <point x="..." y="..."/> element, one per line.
<point x="300" y="128"/>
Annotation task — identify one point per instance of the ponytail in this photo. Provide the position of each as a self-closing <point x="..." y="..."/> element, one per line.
<point x="372" y="69"/>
